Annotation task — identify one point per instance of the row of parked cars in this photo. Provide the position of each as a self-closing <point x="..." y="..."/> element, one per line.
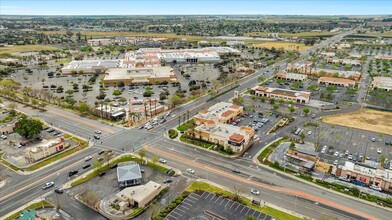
<point x="359" y="183"/>
<point x="154" y="122"/>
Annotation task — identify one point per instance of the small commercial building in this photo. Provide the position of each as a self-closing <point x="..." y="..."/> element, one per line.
<point x="8" y="128"/>
<point x="100" y="42"/>
<point x="138" y="196"/>
<point x="286" y="94"/>
<point x="337" y="81"/>
<point x="45" y="149"/>
<point x="300" y="67"/>
<point x="295" y="77"/>
<point x="144" y="75"/>
<point x="128" y="174"/>
<point x="229" y="136"/>
<point x="344" y="61"/>
<point x="369" y="173"/>
<point x="110" y="112"/>
<point x="222" y="112"/>
<point x="89" y="66"/>
<point x="382" y="82"/>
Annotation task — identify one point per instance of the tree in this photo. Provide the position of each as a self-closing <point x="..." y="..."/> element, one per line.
<point x="292" y="145"/>
<point x="83" y="108"/>
<point x="142" y="153"/>
<point x="272" y="101"/>
<point x="29" y="127"/>
<point x="70" y="101"/>
<point x="291" y="109"/>
<point x="69" y="92"/>
<point x="238" y="101"/>
<point x="34" y="102"/>
<point x="155" y="159"/>
<point x="175" y="100"/>
<point x="26" y="100"/>
<point x="275" y="106"/>
<point x="382" y="160"/>
<point x="260" y="78"/>
<point x="306" y="110"/>
<point x="249" y="217"/>
<point x="281" y="101"/>
<point x="302" y="136"/>
<point x="117" y="92"/>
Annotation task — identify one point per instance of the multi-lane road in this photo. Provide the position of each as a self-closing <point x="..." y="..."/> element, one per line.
<point x="288" y="193"/>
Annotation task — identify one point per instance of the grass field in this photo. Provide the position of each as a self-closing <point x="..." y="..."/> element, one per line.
<point x="370" y="120"/>
<point x="301" y="34"/>
<point x="284" y="45"/>
<point x="25" y="48"/>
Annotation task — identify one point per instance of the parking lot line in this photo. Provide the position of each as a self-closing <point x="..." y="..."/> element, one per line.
<point x="217" y="199"/>
<point x="212" y="197"/>
<point x="184" y="203"/>
<point x="221" y="201"/>
<point x="259" y="215"/>
<point x="174" y="212"/>
<point x="178" y="208"/>
<point x="227" y="202"/>
<point x="194" y="194"/>
<point x="189" y="200"/>
<point x="195" y="198"/>
<point x="242" y="209"/>
<point x="254" y="211"/>
<point x="247" y="212"/>
<point x="202" y="194"/>
<point x="208" y="195"/>
<point x="237" y="207"/>
<point x="232" y="205"/>
<point x="171" y="216"/>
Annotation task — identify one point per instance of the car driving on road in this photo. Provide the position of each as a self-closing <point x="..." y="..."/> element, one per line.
<point x="254" y="191"/>
<point x="47" y="185"/>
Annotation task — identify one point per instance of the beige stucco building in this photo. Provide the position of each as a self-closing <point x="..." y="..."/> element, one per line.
<point x="286" y="94"/>
<point x="7" y="128"/>
<point x="143" y="75"/>
<point x="138" y="196"/>
<point x="222" y="112"/>
<point x="44" y="149"/>
<point x="336" y="81"/>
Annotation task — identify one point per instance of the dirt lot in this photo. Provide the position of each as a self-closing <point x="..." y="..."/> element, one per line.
<point x="370" y="120"/>
<point x="25" y="48"/>
<point x="284" y="45"/>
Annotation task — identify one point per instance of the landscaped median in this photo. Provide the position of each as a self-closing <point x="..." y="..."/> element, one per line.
<point x="92" y="173"/>
<point x="36" y="205"/>
<point x="198" y="186"/>
<point x="81" y="144"/>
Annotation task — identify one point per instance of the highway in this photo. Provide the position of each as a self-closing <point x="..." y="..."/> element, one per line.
<point x="24" y="188"/>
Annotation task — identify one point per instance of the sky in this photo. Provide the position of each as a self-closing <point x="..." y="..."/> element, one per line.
<point x="195" y="7"/>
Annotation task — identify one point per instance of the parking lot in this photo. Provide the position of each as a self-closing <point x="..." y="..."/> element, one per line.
<point x="211" y="206"/>
<point x="357" y="143"/>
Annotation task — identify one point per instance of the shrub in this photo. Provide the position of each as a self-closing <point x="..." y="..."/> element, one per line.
<point x="173" y="133"/>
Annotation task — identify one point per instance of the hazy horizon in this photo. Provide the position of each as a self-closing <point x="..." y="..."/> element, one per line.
<point x="196" y="7"/>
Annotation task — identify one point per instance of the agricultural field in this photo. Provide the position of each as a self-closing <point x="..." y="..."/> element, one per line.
<point x="25" y="48"/>
<point x="370" y="120"/>
<point x="284" y="45"/>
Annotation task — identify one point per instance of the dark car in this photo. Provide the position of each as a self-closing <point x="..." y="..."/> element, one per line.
<point x="86" y="166"/>
<point x="71" y="173"/>
<point x="101" y="152"/>
<point x="59" y="191"/>
<point x="97" y="137"/>
<point x="387" y="142"/>
<point x="113" y="166"/>
<point x="100" y="159"/>
<point x="102" y="173"/>
<point x="167" y="181"/>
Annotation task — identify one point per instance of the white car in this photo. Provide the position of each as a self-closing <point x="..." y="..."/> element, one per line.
<point x="323" y="151"/>
<point x="373" y="139"/>
<point x="47" y="185"/>
<point x="98" y="132"/>
<point x="375" y="187"/>
<point x="3" y="137"/>
<point x="336" y="154"/>
<point x="350" y="157"/>
<point x="309" y="132"/>
<point x="336" y="162"/>
<point x="88" y="158"/>
<point x="254" y="191"/>
<point x="189" y="170"/>
<point x="379" y="150"/>
<point x="162" y="160"/>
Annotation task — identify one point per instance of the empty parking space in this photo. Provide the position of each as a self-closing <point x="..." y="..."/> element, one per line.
<point x="209" y="206"/>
